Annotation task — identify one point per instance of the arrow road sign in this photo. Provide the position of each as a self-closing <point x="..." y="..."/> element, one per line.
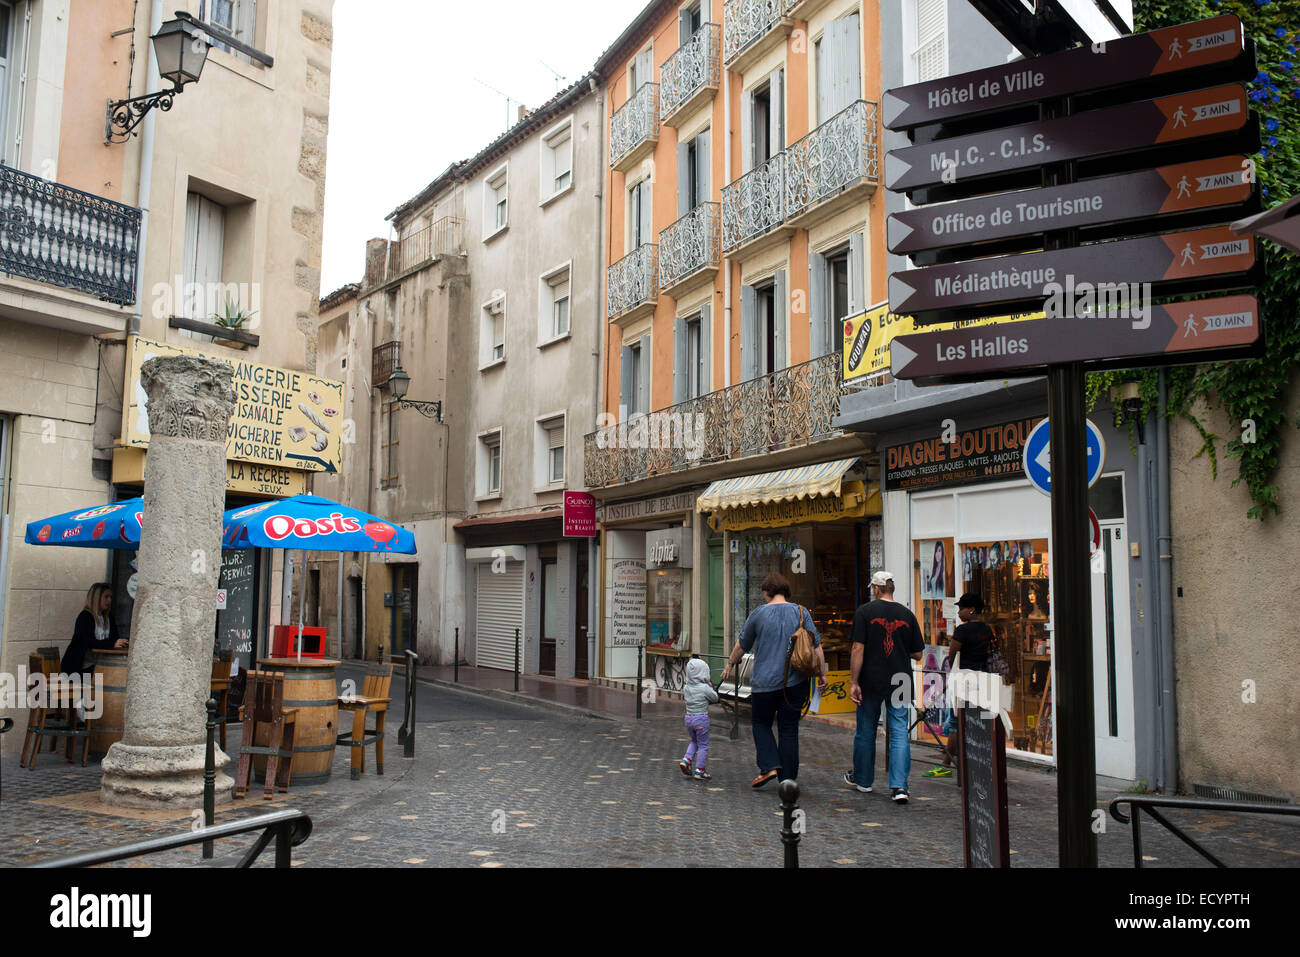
<point x="1188" y="46"/>
<point x="1142" y="195"/>
<point x="1176" y="333"/>
<point x="1037" y="455"/>
<point x="1026" y="278"/>
<point x="1117" y="129"/>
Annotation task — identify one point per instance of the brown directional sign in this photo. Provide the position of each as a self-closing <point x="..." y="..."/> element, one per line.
<point x="1027" y="278"/>
<point x="1142" y="56"/>
<point x="1172" y="334"/>
<point x="1117" y="129"/>
<point x="1146" y="194"/>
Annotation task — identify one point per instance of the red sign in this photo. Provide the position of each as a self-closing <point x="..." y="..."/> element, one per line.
<point x="579" y="515"/>
<point x="1094" y="532"/>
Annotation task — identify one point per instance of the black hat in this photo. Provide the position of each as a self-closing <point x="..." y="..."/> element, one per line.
<point x="971" y="600"/>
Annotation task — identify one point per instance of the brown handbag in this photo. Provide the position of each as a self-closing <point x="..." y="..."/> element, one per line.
<point x="803" y="654"/>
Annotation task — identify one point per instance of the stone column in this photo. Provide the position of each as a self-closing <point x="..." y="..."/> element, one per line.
<point x="159" y="761"/>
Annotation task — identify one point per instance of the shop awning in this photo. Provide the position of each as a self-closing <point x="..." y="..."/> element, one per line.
<point x="788" y="485"/>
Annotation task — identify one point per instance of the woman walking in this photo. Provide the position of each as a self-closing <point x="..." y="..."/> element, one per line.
<point x="778" y="691"/>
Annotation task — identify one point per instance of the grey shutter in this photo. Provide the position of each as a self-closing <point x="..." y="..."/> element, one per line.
<point x="683" y="25"/>
<point x="679" y="360"/>
<point x="857" y="275"/>
<point x="625" y="396"/>
<point x="645" y="67"/>
<point x="780" y="311"/>
<point x="852" y="57"/>
<point x="706" y="349"/>
<point x="747" y="145"/>
<point x="776" y="116"/>
<point x="702" y="163"/>
<point x="643" y="378"/>
<point x="825" y="73"/>
<point x="644" y="221"/>
<point x="748" y="332"/>
<point x="819" y="317"/>
<point x="704" y="12"/>
<point x="683" y="179"/>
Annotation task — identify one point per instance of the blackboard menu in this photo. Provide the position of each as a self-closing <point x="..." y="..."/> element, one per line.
<point x="235" y="622"/>
<point x="984" y="790"/>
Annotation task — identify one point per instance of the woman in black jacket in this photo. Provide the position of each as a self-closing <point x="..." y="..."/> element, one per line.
<point x="95" y="628"/>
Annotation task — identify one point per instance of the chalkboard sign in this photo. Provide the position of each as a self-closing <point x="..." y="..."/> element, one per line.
<point x="984" y="790"/>
<point x="236" y="622"/>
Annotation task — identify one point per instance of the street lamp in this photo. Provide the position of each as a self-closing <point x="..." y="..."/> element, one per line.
<point x="181" y="48"/>
<point x="399" y="382"/>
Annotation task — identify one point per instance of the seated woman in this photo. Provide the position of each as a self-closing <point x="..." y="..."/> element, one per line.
<point x="95" y="628"/>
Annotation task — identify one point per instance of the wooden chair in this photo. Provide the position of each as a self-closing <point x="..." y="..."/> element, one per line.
<point x="374" y="700"/>
<point x="264" y="705"/>
<point x="57" y="716"/>
<point x="221" y="691"/>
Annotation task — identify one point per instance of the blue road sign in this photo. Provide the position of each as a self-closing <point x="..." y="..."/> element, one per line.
<point x="1038" y="462"/>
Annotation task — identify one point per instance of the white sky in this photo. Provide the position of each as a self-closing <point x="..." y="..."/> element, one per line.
<point x="405" y="101"/>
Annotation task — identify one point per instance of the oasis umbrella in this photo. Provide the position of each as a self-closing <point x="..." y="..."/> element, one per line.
<point x="309" y="522"/>
<point x="116" y="525"/>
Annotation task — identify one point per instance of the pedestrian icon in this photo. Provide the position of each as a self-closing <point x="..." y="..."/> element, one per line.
<point x="1190" y="327"/>
<point x="1180" y="118"/>
<point x="1189" y="256"/>
<point x="1184" y="188"/>
<point x="1176" y="49"/>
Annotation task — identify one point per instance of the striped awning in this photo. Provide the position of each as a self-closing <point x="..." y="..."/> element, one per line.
<point x="788" y="485"/>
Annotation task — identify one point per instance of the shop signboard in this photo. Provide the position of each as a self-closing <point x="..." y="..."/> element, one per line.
<point x="969" y="456"/>
<point x="1220" y="110"/>
<point x="249" y="478"/>
<point x="1146" y="195"/>
<point x="1172" y="334"/>
<point x="627" y="603"/>
<point x="1037" y="456"/>
<point x="1133" y="59"/>
<point x="645" y="508"/>
<point x="668" y="548"/>
<point x="853" y="502"/>
<point x="579" y="515"/>
<point x="985" y="834"/>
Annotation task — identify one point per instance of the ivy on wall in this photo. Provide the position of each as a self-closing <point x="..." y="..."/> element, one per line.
<point x="1251" y="392"/>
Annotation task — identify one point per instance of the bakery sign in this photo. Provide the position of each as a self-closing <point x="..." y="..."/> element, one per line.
<point x="282" y="417"/>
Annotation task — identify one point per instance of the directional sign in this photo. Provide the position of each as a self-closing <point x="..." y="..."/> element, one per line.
<point x="1146" y="194"/>
<point x="1038" y="456"/>
<point x="1188" y="46"/>
<point x="1176" y="333"/>
<point x="1029" y="277"/>
<point x="1117" y="129"/>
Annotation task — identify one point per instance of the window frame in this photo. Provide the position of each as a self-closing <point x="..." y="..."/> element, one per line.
<point x="489" y="448"/>
<point x="496" y="194"/>
<point x="547" y="284"/>
<point x="558" y="137"/>
<point x="489" y="319"/>
<point x="544" y="426"/>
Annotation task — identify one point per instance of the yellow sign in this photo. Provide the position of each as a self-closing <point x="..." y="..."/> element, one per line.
<point x="282" y="417"/>
<point x="852" y="502"/>
<point x="129" y="467"/>
<point x="867" y="337"/>
<point x="836" y="699"/>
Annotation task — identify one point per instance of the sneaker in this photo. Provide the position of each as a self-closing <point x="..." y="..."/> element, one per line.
<point x="900" y="795"/>
<point x="685" y="766"/>
<point x="702" y="775"/>
<point x="938" y="771"/>
<point x="848" y="779"/>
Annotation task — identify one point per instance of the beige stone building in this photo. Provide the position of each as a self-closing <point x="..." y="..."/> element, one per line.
<point x="105" y="246"/>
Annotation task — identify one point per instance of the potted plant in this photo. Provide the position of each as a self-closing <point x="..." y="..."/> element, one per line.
<point x="233" y="317"/>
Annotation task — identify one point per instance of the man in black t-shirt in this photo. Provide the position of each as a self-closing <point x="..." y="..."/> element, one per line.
<point x="886" y="638"/>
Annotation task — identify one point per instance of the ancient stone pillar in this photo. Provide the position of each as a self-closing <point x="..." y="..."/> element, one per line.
<point x="159" y="761"/>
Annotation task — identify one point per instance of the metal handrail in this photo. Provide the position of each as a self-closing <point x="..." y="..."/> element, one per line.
<point x="406" y="733"/>
<point x="1149" y="802"/>
<point x="289" y="828"/>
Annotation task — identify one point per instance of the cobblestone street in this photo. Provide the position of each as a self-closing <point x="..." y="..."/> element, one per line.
<point x="497" y="783"/>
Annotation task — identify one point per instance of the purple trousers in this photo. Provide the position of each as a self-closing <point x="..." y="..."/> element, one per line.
<point x="698" y="727"/>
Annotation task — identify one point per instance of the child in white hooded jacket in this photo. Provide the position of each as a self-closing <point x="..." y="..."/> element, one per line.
<point x="699" y="694"/>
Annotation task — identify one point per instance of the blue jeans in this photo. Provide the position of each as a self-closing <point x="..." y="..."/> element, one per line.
<point x="785" y="706"/>
<point x="864" y="743"/>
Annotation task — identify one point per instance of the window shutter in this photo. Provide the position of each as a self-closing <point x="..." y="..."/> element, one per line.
<point x="780" y="313"/>
<point x="748" y="332"/>
<point x="857" y="274"/>
<point x="645" y="67"/>
<point x="931" y="29"/>
<point x="646" y="234"/>
<point x="643" y="378"/>
<point x="683" y="179"/>
<point x="702" y="160"/>
<point x="679" y="360"/>
<point x="625" y="396"/>
<point x="683" y="25"/>
<point x="246" y="22"/>
<point x="826" y="73"/>
<point x="819" y="318"/>
<point x="776" y="117"/>
<point x="706" y="348"/>
<point x="852" y="61"/>
<point x="747" y="132"/>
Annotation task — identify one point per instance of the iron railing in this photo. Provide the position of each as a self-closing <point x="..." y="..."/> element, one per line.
<point x="745" y="22"/>
<point x="754" y="204"/>
<point x="1150" y="802"/>
<point x="689" y="245"/>
<point x="440" y="238"/>
<point x="634" y="122"/>
<point x="632" y="281"/>
<point x="696" y="64"/>
<point x="384" y="358"/>
<point x="789" y="408"/>
<point x="62" y="236"/>
<point x="840" y="153"/>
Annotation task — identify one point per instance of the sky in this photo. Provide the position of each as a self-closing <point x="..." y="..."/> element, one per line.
<point x="417" y="84"/>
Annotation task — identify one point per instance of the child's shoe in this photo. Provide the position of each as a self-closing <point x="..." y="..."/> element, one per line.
<point x="685" y="766"/>
<point x="702" y="775"/>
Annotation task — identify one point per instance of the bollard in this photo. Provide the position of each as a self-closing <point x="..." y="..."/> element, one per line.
<point x="789" y="791"/>
<point x="640" y="654"/>
<point x="516" y="659"/>
<point x="210" y="776"/>
<point x="455" y="661"/>
<point x="408" y="743"/>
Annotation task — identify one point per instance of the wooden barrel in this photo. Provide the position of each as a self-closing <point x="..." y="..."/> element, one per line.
<point x="311" y="689"/>
<point x="110" y="665"/>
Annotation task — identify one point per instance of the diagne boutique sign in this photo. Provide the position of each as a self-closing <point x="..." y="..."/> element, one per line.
<point x="984" y="454"/>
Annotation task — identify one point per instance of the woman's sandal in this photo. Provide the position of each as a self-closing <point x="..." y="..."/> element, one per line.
<point x="762" y="779"/>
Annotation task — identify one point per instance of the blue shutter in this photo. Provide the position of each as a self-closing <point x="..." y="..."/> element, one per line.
<point x="706" y="348"/>
<point x="818" y="308"/>
<point x="780" y="314"/>
<point x="625" y="396"/>
<point x="857" y="275"/>
<point x="748" y="332"/>
<point x="679" y="360"/>
<point x="683" y="179"/>
<point x="747" y="145"/>
<point x="643" y="379"/>
<point x="776" y="118"/>
<point x="702" y="164"/>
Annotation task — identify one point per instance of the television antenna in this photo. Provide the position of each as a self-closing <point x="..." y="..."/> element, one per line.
<point x="560" y="78"/>
<point x="506" y="96"/>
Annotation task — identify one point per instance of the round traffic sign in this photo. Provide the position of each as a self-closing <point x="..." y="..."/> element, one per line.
<point x="1094" y="533"/>
<point x="1037" y="455"/>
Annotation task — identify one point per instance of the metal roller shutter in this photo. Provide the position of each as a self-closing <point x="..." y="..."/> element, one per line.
<point x="500" y="611"/>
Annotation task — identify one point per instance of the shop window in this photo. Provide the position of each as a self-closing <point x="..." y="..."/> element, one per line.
<point x="668" y="608"/>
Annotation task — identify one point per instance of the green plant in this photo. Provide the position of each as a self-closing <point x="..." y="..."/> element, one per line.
<point x="234" y="317"/>
<point x="1250" y="391"/>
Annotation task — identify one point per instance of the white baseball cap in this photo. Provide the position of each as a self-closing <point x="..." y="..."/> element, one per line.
<point x="881" y="579"/>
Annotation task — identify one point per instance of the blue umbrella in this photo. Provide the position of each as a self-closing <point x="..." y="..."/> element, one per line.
<point x="116" y="525"/>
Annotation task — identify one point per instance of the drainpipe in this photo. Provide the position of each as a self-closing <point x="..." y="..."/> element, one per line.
<point x="1164" y="602"/>
<point x="602" y="349"/>
<point x="152" y="83"/>
<point x="726" y="282"/>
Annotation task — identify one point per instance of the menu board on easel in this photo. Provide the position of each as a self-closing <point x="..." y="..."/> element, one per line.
<point x="235" y="622"/>
<point x="985" y="837"/>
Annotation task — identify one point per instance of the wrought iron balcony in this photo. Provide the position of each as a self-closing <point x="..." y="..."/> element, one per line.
<point x="747" y="22"/>
<point x="689" y="245"/>
<point x="788" y="409"/>
<point x="691" y="73"/>
<point x="384" y="359"/>
<point x="634" y="127"/>
<point x="440" y="238"/>
<point x="840" y="154"/>
<point x="633" y="282"/>
<point x="62" y="236"/>
<point x="754" y="204"/>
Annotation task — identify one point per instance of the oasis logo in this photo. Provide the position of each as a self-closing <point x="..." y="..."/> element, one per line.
<point x="74" y="910"/>
<point x="278" y="527"/>
<point x="72" y="532"/>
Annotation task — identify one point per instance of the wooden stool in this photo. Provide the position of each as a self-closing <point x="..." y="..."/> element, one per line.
<point x="264" y="704"/>
<point x="57" y="717"/>
<point x="372" y="700"/>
